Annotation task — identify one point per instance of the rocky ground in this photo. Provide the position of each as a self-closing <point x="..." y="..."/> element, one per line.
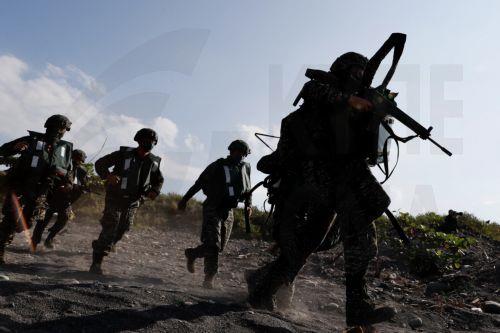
<point x="147" y="289"/>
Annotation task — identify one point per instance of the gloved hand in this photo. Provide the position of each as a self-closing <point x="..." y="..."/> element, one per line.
<point x="112" y="179"/>
<point x="181" y="205"/>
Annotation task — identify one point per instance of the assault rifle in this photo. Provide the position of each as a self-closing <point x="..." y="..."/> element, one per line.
<point x="383" y="105"/>
<point x="8" y="161"/>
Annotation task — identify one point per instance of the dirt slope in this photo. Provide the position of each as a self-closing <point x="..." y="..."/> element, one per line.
<point x="147" y="289"/>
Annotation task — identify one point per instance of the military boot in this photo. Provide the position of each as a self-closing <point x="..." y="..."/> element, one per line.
<point x="95" y="268"/>
<point x="49" y="243"/>
<point x="2" y="254"/>
<point x="284" y="296"/>
<point x="208" y="283"/>
<point x="190" y="259"/>
<point x="262" y="289"/>
<point x="36" y="237"/>
<point x="360" y="310"/>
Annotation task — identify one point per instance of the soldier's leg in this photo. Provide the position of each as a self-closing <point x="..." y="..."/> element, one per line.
<point x="212" y="252"/>
<point x="40" y="227"/>
<point x="35" y="208"/>
<point x="284" y="296"/>
<point x="126" y="221"/>
<point x="63" y="216"/>
<point x="102" y="245"/>
<point x="359" y="249"/>
<point x="8" y="224"/>
<point x="219" y="224"/>
<point x="360" y="201"/>
<point x="210" y="243"/>
<point x="304" y="226"/>
<point x="211" y="266"/>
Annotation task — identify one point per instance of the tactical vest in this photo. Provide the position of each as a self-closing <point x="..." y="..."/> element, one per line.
<point x="135" y="173"/>
<point x="350" y="135"/>
<point x="36" y="162"/>
<point x="236" y="182"/>
<point x="79" y="176"/>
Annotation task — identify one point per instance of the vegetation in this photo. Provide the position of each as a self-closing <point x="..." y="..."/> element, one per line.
<point x="432" y="251"/>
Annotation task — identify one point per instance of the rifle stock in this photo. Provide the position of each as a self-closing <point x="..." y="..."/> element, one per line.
<point x="247" y="219"/>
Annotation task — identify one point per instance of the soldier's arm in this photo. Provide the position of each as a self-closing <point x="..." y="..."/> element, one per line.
<point x="317" y="92"/>
<point x="205" y="177"/>
<point x="284" y="155"/>
<point x="248" y="198"/>
<point x="14" y="147"/>
<point x="157" y="180"/>
<point x="103" y="164"/>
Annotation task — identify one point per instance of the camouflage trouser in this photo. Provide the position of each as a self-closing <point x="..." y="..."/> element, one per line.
<point x="304" y="220"/>
<point x="64" y="214"/>
<point x="306" y="217"/>
<point x="117" y="218"/>
<point x="12" y="221"/>
<point x="215" y="233"/>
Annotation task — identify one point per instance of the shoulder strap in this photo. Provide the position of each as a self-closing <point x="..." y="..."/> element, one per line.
<point x="385" y="151"/>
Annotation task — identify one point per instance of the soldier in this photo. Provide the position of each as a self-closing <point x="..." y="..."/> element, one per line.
<point x="225" y="182"/>
<point x="450" y="224"/>
<point x="322" y="164"/>
<point x="136" y="174"/>
<point x="44" y="162"/>
<point x="61" y="201"/>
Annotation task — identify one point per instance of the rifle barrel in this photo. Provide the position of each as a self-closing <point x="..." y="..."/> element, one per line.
<point x="443" y="149"/>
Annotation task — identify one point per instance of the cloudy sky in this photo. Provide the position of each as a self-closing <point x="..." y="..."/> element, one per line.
<point x="203" y="73"/>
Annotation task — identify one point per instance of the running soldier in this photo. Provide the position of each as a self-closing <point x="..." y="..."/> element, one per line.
<point x="225" y="182"/>
<point x="61" y="201"/>
<point x="43" y="165"/>
<point x="320" y="160"/>
<point x="136" y="174"/>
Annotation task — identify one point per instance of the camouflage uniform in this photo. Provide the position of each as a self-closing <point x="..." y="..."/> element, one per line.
<point x="138" y="176"/>
<point x="321" y="178"/>
<point x="40" y="168"/>
<point x="60" y="203"/>
<point x="215" y="181"/>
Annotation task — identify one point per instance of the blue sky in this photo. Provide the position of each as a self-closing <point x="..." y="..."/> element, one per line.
<point x="203" y="73"/>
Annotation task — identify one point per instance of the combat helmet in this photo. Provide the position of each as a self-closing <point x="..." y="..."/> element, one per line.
<point x="79" y="154"/>
<point x="347" y="60"/>
<point x="146" y="133"/>
<point x="239" y="145"/>
<point x="58" y="121"/>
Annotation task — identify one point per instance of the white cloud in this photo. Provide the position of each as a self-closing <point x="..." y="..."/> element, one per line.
<point x="258" y="148"/>
<point x="167" y="131"/>
<point x="72" y="75"/>
<point x="180" y="171"/>
<point x="193" y="143"/>
<point x="28" y="97"/>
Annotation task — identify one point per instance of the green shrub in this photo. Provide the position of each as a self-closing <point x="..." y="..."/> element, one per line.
<point x="433" y="251"/>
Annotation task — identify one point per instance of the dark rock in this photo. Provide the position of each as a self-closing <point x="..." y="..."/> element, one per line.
<point x="491" y="307"/>
<point x="437" y="288"/>
<point x="497" y="271"/>
<point x="415" y="322"/>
